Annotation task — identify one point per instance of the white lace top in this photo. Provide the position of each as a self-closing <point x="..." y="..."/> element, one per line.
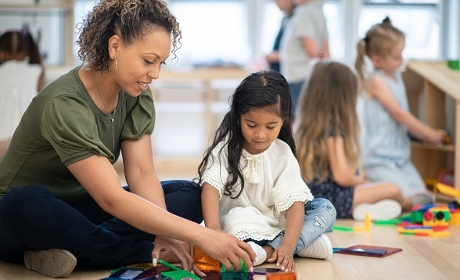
<point x="272" y="184"/>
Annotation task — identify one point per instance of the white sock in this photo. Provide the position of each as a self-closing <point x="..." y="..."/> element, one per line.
<point x="261" y="255"/>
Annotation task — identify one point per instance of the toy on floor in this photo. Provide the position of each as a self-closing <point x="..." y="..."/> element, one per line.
<point x="176" y="273"/>
<point x="282" y="276"/>
<point x="447" y="190"/>
<point x="369" y="251"/>
<point x="366" y="227"/>
<point x="137" y="272"/>
<point x="428" y="220"/>
<point x="214" y="269"/>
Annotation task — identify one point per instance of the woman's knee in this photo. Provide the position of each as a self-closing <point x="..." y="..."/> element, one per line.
<point x="23" y="197"/>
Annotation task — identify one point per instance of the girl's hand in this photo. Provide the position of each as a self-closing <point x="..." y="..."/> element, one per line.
<point x="440" y="137"/>
<point x="361" y="179"/>
<point x="284" y="258"/>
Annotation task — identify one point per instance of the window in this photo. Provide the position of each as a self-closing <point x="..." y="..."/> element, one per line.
<point x="214" y="32"/>
<point x="45" y="25"/>
<point x="419" y="20"/>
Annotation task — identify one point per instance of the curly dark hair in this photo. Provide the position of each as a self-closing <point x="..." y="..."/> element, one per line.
<point x="266" y="89"/>
<point x="130" y="19"/>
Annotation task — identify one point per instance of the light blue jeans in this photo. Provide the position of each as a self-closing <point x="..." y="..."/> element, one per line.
<point x="319" y="218"/>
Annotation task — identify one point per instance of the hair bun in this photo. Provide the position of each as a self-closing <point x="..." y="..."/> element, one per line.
<point x="386" y="20"/>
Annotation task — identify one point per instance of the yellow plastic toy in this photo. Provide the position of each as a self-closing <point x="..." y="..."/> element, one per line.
<point x="447" y="190"/>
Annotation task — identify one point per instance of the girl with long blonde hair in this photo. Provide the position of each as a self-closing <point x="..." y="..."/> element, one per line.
<point x="326" y="132"/>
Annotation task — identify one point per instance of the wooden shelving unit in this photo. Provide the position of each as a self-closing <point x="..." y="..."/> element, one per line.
<point x="429" y="83"/>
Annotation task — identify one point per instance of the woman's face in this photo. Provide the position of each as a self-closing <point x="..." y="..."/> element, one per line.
<point x="139" y="63"/>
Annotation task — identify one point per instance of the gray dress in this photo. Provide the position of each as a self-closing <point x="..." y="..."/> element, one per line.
<point x="386" y="144"/>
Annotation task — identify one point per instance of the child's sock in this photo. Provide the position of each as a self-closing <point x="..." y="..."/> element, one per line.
<point x="261" y="255"/>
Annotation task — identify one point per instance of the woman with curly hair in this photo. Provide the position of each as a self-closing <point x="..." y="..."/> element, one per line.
<point x="60" y="196"/>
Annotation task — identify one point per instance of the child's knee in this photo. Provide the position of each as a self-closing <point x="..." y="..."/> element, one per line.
<point x="329" y="207"/>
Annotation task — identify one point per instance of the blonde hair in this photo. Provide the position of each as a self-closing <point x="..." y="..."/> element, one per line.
<point x="327" y="104"/>
<point x="379" y="40"/>
<point x="130" y="19"/>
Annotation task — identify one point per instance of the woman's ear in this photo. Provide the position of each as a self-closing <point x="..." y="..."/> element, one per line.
<point x="114" y="45"/>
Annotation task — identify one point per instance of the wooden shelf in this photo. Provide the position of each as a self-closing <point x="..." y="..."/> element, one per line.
<point x="428" y="85"/>
<point x="444" y="148"/>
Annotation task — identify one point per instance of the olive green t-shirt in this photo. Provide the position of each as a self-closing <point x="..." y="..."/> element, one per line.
<point x="63" y="125"/>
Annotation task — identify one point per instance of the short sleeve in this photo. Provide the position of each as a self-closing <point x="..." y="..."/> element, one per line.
<point x="290" y="187"/>
<point x="216" y="173"/>
<point x="306" y="27"/>
<point x="141" y="118"/>
<point x="69" y="125"/>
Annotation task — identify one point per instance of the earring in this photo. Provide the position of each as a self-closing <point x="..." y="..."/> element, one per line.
<point x="116" y="67"/>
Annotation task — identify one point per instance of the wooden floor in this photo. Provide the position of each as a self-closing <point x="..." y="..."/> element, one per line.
<point x="421" y="257"/>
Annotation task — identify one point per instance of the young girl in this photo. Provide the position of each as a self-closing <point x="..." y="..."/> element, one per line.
<point x="327" y="137"/>
<point x="386" y="146"/>
<point x="21" y="78"/>
<point x="251" y="180"/>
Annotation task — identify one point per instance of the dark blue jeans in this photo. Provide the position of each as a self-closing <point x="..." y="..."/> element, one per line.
<point x="32" y="218"/>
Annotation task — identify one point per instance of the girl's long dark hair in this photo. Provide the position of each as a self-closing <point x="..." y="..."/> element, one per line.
<point x="266" y="89"/>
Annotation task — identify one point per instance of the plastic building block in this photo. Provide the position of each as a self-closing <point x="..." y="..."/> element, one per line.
<point x="439" y="234"/>
<point x="265" y="270"/>
<point x="204" y="262"/>
<point x="367" y="224"/>
<point x="416" y="216"/>
<point x="232" y="274"/>
<point x="213" y="275"/>
<point x="366" y="227"/>
<point x="454" y="217"/>
<point x="282" y="276"/>
<point x="243" y="268"/>
<point x="437" y="216"/>
<point x="137" y="272"/>
<point x="177" y="273"/>
<point x="236" y="276"/>
<point x="448" y="190"/>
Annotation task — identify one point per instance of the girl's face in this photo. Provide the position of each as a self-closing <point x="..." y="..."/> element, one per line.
<point x="139" y="63"/>
<point x="391" y="62"/>
<point x="260" y="127"/>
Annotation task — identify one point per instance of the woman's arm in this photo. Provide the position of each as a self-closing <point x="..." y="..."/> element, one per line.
<point x="378" y="89"/>
<point x="100" y="179"/>
<point x="140" y="172"/>
<point x="210" y="205"/>
<point x="341" y="171"/>
<point x="274" y="56"/>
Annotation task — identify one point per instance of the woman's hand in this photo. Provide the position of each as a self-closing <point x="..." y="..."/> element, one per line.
<point x="227" y="249"/>
<point x="180" y="249"/>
